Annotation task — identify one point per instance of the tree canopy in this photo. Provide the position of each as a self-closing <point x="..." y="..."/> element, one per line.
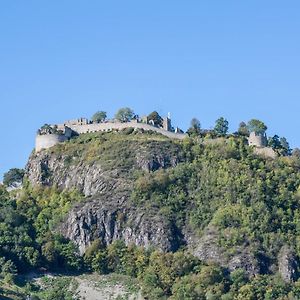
<point x="243" y="129"/>
<point x="257" y="126"/>
<point x="13" y="177"/>
<point x="280" y="145"/>
<point x="124" y="114"/>
<point x="99" y="117"/>
<point x="195" y="128"/>
<point x="221" y="127"/>
<point x="156" y="118"/>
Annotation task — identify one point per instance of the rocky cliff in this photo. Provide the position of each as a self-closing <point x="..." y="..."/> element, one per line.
<point x="100" y="166"/>
<point x="105" y="167"/>
<point x="109" y="217"/>
<point x="107" y="213"/>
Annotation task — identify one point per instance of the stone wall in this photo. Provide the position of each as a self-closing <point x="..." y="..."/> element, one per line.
<point x="48" y="140"/>
<point x="108" y="126"/>
<point x="266" y="152"/>
<point x="257" y="140"/>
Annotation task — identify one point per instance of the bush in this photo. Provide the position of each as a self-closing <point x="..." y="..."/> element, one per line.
<point x="128" y="131"/>
<point x="14" y="177"/>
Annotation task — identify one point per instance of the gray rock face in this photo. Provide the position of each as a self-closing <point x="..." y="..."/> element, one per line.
<point x="91" y="179"/>
<point x="156" y="159"/>
<point x="244" y="259"/>
<point x="111" y="218"/>
<point x="106" y="213"/>
<point x="207" y="249"/>
<point x="287" y="264"/>
<point x="46" y="168"/>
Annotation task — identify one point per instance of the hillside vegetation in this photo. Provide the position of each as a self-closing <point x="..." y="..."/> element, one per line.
<point x="234" y="217"/>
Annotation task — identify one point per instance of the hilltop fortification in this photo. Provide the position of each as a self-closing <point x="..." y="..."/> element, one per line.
<point x="50" y="135"/>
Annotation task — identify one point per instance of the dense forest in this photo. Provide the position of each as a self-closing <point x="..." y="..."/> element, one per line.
<point x="219" y="184"/>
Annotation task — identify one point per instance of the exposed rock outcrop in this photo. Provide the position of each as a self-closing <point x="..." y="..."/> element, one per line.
<point x="90" y="179"/>
<point x="106" y="213"/>
<point x="287" y="264"/>
<point x="68" y="171"/>
<point x="110" y="218"/>
<point x="207" y="249"/>
<point x="154" y="160"/>
<point x="244" y="259"/>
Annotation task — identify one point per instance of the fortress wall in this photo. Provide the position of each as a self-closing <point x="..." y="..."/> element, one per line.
<point x="119" y="126"/>
<point x="265" y="152"/>
<point x="48" y="140"/>
<point x="257" y="140"/>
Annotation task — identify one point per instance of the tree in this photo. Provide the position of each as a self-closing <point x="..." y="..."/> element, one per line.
<point x="50" y="253"/>
<point x="243" y="129"/>
<point x="257" y="126"/>
<point x="14" y="177"/>
<point x="281" y="145"/>
<point x="221" y="127"/>
<point x="8" y="270"/>
<point x="285" y="146"/>
<point x="274" y="142"/>
<point x="99" y="117"/>
<point x="238" y="278"/>
<point x="195" y="128"/>
<point x="116" y="253"/>
<point x="156" y="118"/>
<point x="124" y="114"/>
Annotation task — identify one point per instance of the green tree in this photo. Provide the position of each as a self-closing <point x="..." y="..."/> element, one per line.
<point x="189" y="288"/>
<point x="280" y="145"/>
<point x="50" y="253"/>
<point x="99" y="262"/>
<point x="8" y="270"/>
<point x="195" y="128"/>
<point x="124" y="114"/>
<point x="221" y="126"/>
<point x="274" y="142"/>
<point x="285" y="147"/>
<point x="243" y="129"/>
<point x="99" y="116"/>
<point x="257" y="126"/>
<point x="238" y="278"/>
<point x="13" y="177"/>
<point x="69" y="257"/>
<point x="48" y="129"/>
<point x="156" y="118"/>
<point x="116" y="253"/>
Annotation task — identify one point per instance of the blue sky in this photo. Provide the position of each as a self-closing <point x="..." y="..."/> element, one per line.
<point x="64" y="59"/>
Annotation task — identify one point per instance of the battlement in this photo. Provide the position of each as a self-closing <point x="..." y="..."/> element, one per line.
<point x="80" y="121"/>
<point x="70" y="128"/>
<point x="50" y="135"/>
<point x="258" y="140"/>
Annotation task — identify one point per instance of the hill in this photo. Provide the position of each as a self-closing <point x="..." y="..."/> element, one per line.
<point x="195" y="218"/>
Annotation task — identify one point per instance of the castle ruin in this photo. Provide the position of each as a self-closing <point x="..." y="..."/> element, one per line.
<point x="260" y="143"/>
<point x="258" y="139"/>
<point x="51" y="135"/>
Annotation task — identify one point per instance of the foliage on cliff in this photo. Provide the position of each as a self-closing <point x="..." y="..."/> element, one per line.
<point x="251" y="202"/>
